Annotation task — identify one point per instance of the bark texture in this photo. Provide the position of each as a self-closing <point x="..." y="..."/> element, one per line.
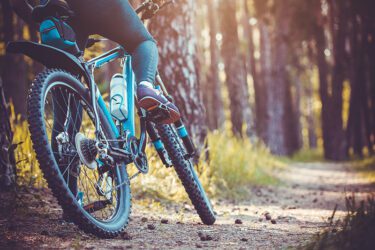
<point x="265" y="78"/>
<point x="311" y="126"/>
<point x="334" y="139"/>
<point x="173" y="28"/>
<point x="338" y="138"/>
<point x="323" y="67"/>
<point x="252" y="67"/>
<point x="235" y="71"/>
<point x="360" y="124"/>
<point x="278" y="87"/>
<point x="215" y="107"/>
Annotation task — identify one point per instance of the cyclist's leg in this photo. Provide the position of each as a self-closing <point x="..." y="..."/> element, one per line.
<point x="116" y="20"/>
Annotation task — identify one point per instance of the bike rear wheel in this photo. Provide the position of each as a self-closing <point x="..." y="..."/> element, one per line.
<point x="58" y="110"/>
<point x="187" y="174"/>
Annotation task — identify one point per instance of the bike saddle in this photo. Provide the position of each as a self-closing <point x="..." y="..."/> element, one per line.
<point x="52" y="8"/>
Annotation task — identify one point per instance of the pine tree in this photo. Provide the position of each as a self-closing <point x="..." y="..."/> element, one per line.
<point x="235" y="70"/>
<point x="215" y="108"/>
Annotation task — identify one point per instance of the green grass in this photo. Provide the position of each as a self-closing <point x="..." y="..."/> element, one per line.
<point x="236" y="163"/>
<point x="28" y="171"/>
<point x="309" y="155"/>
<point x="232" y="166"/>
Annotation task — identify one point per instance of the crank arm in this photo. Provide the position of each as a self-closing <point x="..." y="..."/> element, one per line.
<point x="120" y="154"/>
<point x="143" y="139"/>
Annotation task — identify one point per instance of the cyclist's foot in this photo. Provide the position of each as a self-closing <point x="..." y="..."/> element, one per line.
<point x="152" y="99"/>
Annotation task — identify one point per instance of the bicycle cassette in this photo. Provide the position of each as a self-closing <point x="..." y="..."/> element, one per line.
<point x="87" y="151"/>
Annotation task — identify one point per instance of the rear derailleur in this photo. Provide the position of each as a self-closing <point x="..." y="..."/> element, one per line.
<point x="104" y="157"/>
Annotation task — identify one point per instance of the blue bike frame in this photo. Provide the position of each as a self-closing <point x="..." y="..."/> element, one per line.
<point x="118" y="53"/>
<point x="55" y="58"/>
<point x="129" y="123"/>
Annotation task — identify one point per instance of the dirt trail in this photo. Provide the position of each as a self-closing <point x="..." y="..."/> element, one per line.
<point x="297" y="210"/>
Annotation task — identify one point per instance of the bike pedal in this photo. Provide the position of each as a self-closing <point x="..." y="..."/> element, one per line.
<point x="158" y="114"/>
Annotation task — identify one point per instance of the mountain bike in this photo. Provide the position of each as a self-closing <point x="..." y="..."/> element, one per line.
<point x="85" y="153"/>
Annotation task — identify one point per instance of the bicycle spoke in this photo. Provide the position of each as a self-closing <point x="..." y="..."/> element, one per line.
<point x="66" y="113"/>
<point x="69" y="165"/>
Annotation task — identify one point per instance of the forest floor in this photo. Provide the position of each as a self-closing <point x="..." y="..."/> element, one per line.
<point x="282" y="216"/>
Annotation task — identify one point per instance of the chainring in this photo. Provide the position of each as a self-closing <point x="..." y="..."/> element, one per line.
<point x="138" y="157"/>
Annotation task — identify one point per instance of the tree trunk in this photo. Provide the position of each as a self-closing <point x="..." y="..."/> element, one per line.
<point x="323" y="67"/>
<point x="215" y="107"/>
<point x="310" y="116"/>
<point x="173" y="28"/>
<point x="369" y="102"/>
<point x="295" y="123"/>
<point x="371" y="72"/>
<point x="264" y="79"/>
<point x="354" y="128"/>
<point x="15" y="69"/>
<point x="331" y="94"/>
<point x="295" y="140"/>
<point x="360" y="122"/>
<point x="235" y="70"/>
<point x="279" y="105"/>
<point x="259" y="90"/>
<point x="337" y="134"/>
<point x="372" y="78"/>
<point x="7" y="160"/>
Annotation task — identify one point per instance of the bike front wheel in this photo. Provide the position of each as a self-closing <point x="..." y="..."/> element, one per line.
<point x="187" y="174"/>
<point x="59" y="112"/>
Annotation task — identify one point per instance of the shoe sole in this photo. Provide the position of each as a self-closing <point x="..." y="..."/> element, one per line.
<point x="151" y="104"/>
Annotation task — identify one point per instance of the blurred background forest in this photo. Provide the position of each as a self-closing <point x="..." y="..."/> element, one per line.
<point x="289" y="75"/>
<point x="261" y="84"/>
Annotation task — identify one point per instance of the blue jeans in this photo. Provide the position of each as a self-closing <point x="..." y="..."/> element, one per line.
<point x="117" y="21"/>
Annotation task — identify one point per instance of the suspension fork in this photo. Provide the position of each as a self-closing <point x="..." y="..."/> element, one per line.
<point x="186" y="139"/>
<point x="158" y="144"/>
<point x="181" y="129"/>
